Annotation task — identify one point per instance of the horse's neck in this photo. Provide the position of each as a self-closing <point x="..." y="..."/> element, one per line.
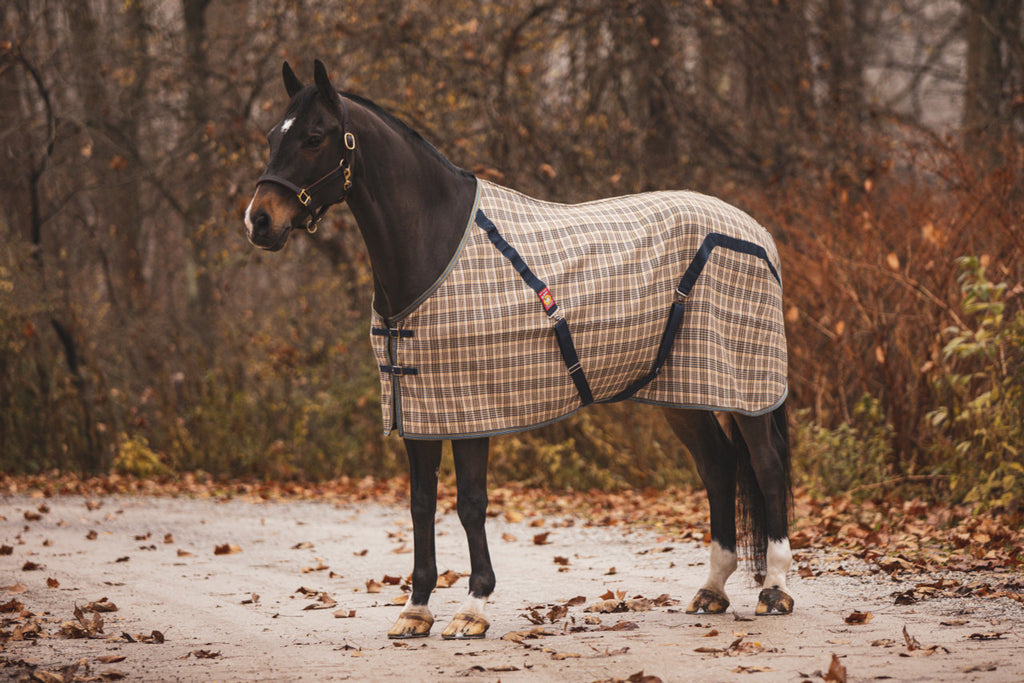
<point x="411" y="208"/>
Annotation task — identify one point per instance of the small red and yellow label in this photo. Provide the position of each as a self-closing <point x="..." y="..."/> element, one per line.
<point x="546" y="299"/>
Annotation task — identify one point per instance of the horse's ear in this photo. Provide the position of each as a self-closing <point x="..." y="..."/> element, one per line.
<point x="291" y="82"/>
<point x="323" y="83"/>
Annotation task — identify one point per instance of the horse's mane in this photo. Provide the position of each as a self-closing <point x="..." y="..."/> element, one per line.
<point x="404" y="128"/>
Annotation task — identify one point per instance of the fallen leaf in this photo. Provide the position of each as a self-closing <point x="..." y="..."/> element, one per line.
<point x="184" y="553"/>
<point x="302" y="546"/>
<point x="399" y="599"/>
<point x="541" y="539"/>
<point x="836" y="671"/>
<point x="52" y="583"/>
<point x="110" y="659"/>
<point x="204" y="654"/>
<point x="92" y="535"/>
<point x="576" y="602"/>
<point x="344" y="613"/>
<point x="31" y="567"/>
<point x="508" y="538"/>
<point x="998" y="635"/>
<point x="12" y="606"/>
<point x="101" y="605"/>
<point x="448" y="579"/>
<point x="856" y="617"/>
<point x="227" y="549"/>
<point x="373" y="587"/>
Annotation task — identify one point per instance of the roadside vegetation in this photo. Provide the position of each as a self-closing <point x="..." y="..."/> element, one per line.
<point x="141" y="335"/>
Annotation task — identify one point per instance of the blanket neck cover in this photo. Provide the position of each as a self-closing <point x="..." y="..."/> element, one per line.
<point x="478" y="354"/>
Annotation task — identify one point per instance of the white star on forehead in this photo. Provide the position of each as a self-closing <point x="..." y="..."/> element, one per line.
<point x="286" y="125"/>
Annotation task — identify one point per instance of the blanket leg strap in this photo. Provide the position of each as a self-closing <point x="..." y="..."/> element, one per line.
<point x="562" y="333"/>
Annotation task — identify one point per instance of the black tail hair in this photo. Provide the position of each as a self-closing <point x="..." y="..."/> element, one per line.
<point x="751" y="518"/>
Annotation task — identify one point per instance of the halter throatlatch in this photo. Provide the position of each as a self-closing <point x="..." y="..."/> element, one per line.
<point x="306" y="195"/>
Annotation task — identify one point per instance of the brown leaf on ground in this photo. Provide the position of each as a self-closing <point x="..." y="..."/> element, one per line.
<point x="541" y="539"/>
<point x="856" y="617"/>
<point x="576" y="602"/>
<point x="101" y="605"/>
<point x="227" y="549"/>
<point x="448" y="579"/>
<point x="52" y="583"/>
<point x="836" y="671"/>
<point x="998" y="635"/>
<point x="323" y="601"/>
<point x="31" y="567"/>
<point x="373" y="586"/>
<point x="530" y="634"/>
<point x="204" y="654"/>
<point x="508" y="538"/>
<point x="344" y="613"/>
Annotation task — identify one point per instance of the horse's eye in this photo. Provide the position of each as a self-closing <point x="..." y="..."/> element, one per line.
<point x="314" y="140"/>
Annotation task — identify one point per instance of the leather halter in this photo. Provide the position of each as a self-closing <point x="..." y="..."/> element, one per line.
<point x="305" y="195"/>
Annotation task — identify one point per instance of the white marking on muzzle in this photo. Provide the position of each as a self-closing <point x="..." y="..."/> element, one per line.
<point x="248" y="219"/>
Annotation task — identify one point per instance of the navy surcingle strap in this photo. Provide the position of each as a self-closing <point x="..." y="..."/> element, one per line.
<point x="675" y="316"/>
<point x="562" y="333"/>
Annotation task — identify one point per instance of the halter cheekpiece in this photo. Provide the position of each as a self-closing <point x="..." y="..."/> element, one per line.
<point x="305" y="194"/>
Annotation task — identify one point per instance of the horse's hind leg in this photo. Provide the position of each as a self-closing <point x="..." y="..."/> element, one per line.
<point x="471" y="476"/>
<point x="767" y="441"/>
<point x="715" y="459"/>
<point x="424" y="459"/>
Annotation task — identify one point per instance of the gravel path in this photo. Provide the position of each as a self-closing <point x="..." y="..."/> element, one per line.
<point x="242" y="614"/>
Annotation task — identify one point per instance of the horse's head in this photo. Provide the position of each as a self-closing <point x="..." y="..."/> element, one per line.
<point x="311" y="153"/>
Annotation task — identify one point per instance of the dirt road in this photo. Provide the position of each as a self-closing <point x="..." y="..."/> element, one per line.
<point x="242" y="613"/>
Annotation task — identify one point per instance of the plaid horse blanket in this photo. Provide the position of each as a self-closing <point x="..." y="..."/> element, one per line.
<point x="478" y="353"/>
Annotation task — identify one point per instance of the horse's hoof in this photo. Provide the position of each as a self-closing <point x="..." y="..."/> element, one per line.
<point x="773" y="601"/>
<point x="707" y="602"/>
<point x="466" y="625"/>
<point x="413" y="624"/>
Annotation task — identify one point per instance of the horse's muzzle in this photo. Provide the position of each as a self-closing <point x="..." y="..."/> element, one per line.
<point x="259" y="228"/>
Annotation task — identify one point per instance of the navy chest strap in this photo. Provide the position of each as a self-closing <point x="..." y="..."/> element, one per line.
<point x="565" y="345"/>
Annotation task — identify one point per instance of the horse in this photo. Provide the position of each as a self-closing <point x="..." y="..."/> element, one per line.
<point x="416" y="212"/>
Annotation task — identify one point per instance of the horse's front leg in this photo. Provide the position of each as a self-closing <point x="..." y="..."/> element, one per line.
<point x="471" y="475"/>
<point x="424" y="459"/>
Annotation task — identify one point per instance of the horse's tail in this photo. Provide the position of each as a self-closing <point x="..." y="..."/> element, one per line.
<point x="752" y="519"/>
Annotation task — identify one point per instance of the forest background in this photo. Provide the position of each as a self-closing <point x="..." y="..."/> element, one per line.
<point x="880" y="141"/>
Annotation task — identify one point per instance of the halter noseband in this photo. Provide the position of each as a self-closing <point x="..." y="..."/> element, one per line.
<point x="305" y="194"/>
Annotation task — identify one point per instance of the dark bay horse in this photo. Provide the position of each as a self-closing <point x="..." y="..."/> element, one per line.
<point x="412" y="205"/>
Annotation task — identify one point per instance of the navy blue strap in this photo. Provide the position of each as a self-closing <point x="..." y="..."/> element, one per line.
<point x="393" y="332"/>
<point x="562" y="333"/>
<point x="675" y="317"/>
<point x="399" y="370"/>
<point x="668" y="338"/>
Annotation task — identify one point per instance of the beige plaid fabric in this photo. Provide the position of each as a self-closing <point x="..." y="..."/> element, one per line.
<point x="485" y="353"/>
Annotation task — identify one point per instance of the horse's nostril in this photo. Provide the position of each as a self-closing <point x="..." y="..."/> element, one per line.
<point x="260" y="222"/>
